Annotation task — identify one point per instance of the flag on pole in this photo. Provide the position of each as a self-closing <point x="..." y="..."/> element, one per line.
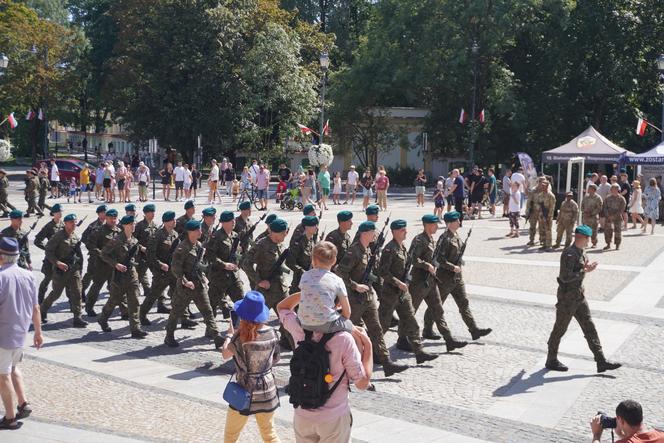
<point x="326" y="128"/>
<point x="641" y="126"/>
<point x="463" y="117"/>
<point x="30" y="115"/>
<point x="40" y="115"/>
<point x="304" y="129"/>
<point x="481" y="116"/>
<point x="12" y="121"/>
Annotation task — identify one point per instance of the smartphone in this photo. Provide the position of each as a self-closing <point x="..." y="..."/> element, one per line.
<point x="235" y="319"/>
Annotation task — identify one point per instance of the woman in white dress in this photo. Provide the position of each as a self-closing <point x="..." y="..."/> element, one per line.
<point x="187" y="181"/>
<point x="336" y="191"/>
<point x="635" y="204"/>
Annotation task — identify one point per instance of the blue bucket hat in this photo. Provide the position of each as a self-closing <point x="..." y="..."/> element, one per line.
<point x="252" y="308"/>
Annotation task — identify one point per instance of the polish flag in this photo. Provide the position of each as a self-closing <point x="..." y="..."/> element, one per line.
<point x="40" y="115"/>
<point x="30" y="115"/>
<point x="641" y="126"/>
<point x="463" y="117"/>
<point x="481" y="117"/>
<point x="304" y="129"/>
<point x="12" y="121"/>
<point x="326" y="128"/>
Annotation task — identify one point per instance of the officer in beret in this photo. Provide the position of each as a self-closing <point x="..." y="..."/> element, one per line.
<point x="191" y="285"/>
<point x="120" y="254"/>
<point x="372" y="215"/>
<point x="567" y="216"/>
<point x="16" y="231"/>
<point x="261" y="264"/>
<point x="145" y="230"/>
<point x="423" y="288"/>
<point x="394" y="294"/>
<point x="189" y="211"/>
<point x="45" y="234"/>
<point x="44" y="187"/>
<point x="63" y="252"/>
<point x="85" y="238"/>
<point x="362" y="298"/>
<point x="130" y="209"/>
<point x="572" y="303"/>
<point x="269" y="219"/>
<point x="207" y="227"/>
<point x="299" y="229"/>
<point x="450" y="279"/>
<point x="242" y="225"/>
<point x="5" y="206"/>
<point x="340" y="237"/>
<point x="299" y="257"/>
<point x="224" y="272"/>
<point x="31" y="191"/>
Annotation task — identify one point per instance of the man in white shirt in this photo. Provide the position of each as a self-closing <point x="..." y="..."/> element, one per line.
<point x="179" y="173"/>
<point x="213" y="180"/>
<point x="55" y="180"/>
<point x="507" y="184"/>
<point x="519" y="178"/>
<point x="254" y="169"/>
<point x="351" y="184"/>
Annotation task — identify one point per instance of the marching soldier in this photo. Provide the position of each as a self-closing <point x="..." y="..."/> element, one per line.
<point x="63" y="252"/>
<point x="423" y="288"/>
<point x="567" y="216"/>
<point x="362" y="298"/>
<point x="615" y="206"/>
<point x="5" y="206"/>
<point x="269" y="219"/>
<point x="45" y="233"/>
<point x="572" y="302"/>
<point x="450" y="278"/>
<point x="85" y="238"/>
<point x="145" y="230"/>
<point x="189" y="211"/>
<point x="31" y="191"/>
<point x="261" y="264"/>
<point x="372" y="215"/>
<point x="14" y="230"/>
<point x="207" y="227"/>
<point x="44" y="187"/>
<point x="546" y="201"/>
<point x="591" y="209"/>
<point x="120" y="254"/>
<point x="191" y="285"/>
<point x="224" y="271"/>
<point x="299" y="229"/>
<point x="340" y="236"/>
<point x="300" y="252"/>
<point x="394" y="294"/>
<point x="242" y="225"/>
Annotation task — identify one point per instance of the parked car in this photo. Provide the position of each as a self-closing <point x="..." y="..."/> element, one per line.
<point x="68" y="167"/>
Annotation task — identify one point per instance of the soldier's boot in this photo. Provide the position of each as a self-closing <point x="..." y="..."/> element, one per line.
<point x="390" y="368"/>
<point x="557" y="245"/>
<point x="617" y="246"/>
<point x="453" y="344"/>
<point x="44" y="316"/>
<point x="80" y="323"/>
<point x="162" y="308"/>
<point x="143" y="315"/>
<point x="185" y="323"/>
<point x="138" y="333"/>
<point x="422" y="357"/>
<point x="403" y="344"/>
<point x="219" y="342"/>
<point x="605" y="365"/>
<point x="41" y="295"/>
<point x="479" y="332"/>
<point x="170" y="341"/>
<point x="144" y="320"/>
<point x="555" y="365"/>
<point x="607" y="247"/>
<point x="428" y="333"/>
<point x="103" y="323"/>
<point x="90" y="312"/>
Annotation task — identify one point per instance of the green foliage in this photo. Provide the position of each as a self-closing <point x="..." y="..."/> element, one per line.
<point x="402" y="176"/>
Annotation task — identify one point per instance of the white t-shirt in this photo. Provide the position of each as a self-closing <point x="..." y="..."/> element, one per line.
<point x="143" y="175"/>
<point x="214" y="173"/>
<point x="179" y="173"/>
<point x="515" y="206"/>
<point x="253" y="171"/>
<point x="603" y="190"/>
<point x="507" y="182"/>
<point x="319" y="288"/>
<point x="55" y="173"/>
<point x="353" y="176"/>
<point x="520" y="179"/>
<point x="187" y="177"/>
<point x="449" y="181"/>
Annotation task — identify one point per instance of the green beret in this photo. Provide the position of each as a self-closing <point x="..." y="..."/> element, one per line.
<point x="343" y="216"/>
<point x="168" y="216"/>
<point x="245" y="205"/>
<point x="149" y="208"/>
<point x="226" y="216"/>
<point x="112" y="213"/>
<point x="270" y="218"/>
<point x="16" y="214"/>
<point x="430" y="219"/>
<point x="101" y="208"/>
<point x="70" y="217"/>
<point x="584" y="230"/>
<point x="192" y="225"/>
<point x="367" y="226"/>
<point x="130" y="207"/>
<point x="209" y="212"/>
<point x="310" y="220"/>
<point x="372" y="210"/>
<point x="56" y="208"/>
<point x="309" y="209"/>
<point x="189" y="204"/>
<point x="398" y="224"/>
<point x="451" y="216"/>
<point x="127" y="220"/>
<point x="278" y="225"/>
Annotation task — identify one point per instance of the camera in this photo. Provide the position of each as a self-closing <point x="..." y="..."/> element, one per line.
<point x="606" y="421"/>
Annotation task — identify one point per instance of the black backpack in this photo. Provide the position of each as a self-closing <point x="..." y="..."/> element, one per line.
<point x="309" y="367"/>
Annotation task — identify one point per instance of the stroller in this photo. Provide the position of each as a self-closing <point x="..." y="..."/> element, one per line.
<point x="291" y="200"/>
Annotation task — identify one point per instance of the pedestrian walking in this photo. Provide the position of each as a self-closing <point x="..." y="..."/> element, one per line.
<point x="351" y="184"/>
<point x="166" y="175"/>
<point x="635" y="205"/>
<point x="382" y="185"/>
<point x="420" y="187"/>
<point x="367" y="184"/>
<point x="653" y="196"/>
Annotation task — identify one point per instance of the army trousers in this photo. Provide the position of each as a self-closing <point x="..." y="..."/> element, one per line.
<point x="434" y="312"/>
<point x="160" y="281"/>
<point x="41" y="203"/>
<point x="70" y="282"/>
<point x="101" y="274"/>
<point x="181" y="299"/>
<point x="573" y="304"/>
<point x="124" y="287"/>
<point x="47" y="270"/>
<point x="32" y="206"/>
<point x="89" y="274"/>
<point x="391" y="300"/>
<point x="546" y="231"/>
<point x="565" y="227"/>
<point x="5" y="206"/>
<point x="142" y="269"/>
<point x="591" y="221"/>
<point x="613" y="225"/>
<point x="455" y="286"/>
<point x="226" y="284"/>
<point x="533" y="220"/>
<point x="295" y="283"/>
<point x="364" y="312"/>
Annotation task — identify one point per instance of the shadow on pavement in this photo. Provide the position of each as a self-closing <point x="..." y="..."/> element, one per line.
<point x="519" y="385"/>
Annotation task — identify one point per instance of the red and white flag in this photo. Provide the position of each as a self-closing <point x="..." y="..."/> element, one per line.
<point x="481" y="116"/>
<point x="12" y="121"/>
<point x="30" y="115"/>
<point x="304" y="129"/>
<point x="40" y="115"/>
<point x="326" y="128"/>
<point x="641" y="126"/>
<point x="463" y="116"/>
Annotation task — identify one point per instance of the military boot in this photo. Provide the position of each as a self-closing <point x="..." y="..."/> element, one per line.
<point x="605" y="365"/>
<point x="429" y="334"/>
<point x="170" y="341"/>
<point x="531" y="243"/>
<point x="477" y="333"/>
<point x="90" y="312"/>
<point x="219" y="342"/>
<point x="607" y="247"/>
<point x="162" y="308"/>
<point x="104" y="325"/>
<point x="187" y="324"/>
<point x="44" y="316"/>
<point x="422" y="357"/>
<point x="391" y="368"/>
<point x="144" y="320"/>
<point x="138" y="333"/>
<point x="451" y="345"/>
<point x="403" y="344"/>
<point x="556" y="246"/>
<point x="555" y="365"/>
<point x="80" y="323"/>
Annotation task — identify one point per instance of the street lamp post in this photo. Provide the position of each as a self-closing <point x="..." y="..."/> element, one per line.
<point x="324" y="65"/>
<point x="660" y="67"/>
<point x="471" y="151"/>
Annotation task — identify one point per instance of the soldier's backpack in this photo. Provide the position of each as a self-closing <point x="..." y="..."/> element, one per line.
<point x="308" y="386"/>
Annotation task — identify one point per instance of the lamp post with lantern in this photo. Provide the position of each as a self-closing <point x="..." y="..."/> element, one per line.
<point x="324" y="65"/>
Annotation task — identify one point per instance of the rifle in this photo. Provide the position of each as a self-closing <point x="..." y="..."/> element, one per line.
<point x="72" y="259"/>
<point x="322" y="235"/>
<point x="406" y="277"/>
<point x="252" y="228"/>
<point x="198" y="269"/>
<point x="80" y="222"/>
<point x="171" y="251"/>
<point x="434" y="261"/>
<point x="459" y="259"/>
<point x="367" y="275"/>
<point x="277" y="267"/>
<point x="127" y="262"/>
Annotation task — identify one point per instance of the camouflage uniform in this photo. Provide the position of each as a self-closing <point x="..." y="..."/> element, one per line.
<point x="5" y="206"/>
<point x="179" y="225"/>
<point x="533" y="214"/>
<point x="341" y="241"/>
<point x="546" y="203"/>
<point x="44" y="187"/>
<point x="102" y="272"/>
<point x="299" y="260"/>
<point x="144" y="232"/>
<point x="567" y="216"/>
<point x="591" y="208"/>
<point x="46" y="233"/>
<point x="160" y="251"/>
<point x="85" y="238"/>
<point x="262" y="235"/>
<point x="31" y="189"/>
<point x="21" y="236"/>
<point x="223" y="282"/>
<point x="241" y="227"/>
<point x="615" y="206"/>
